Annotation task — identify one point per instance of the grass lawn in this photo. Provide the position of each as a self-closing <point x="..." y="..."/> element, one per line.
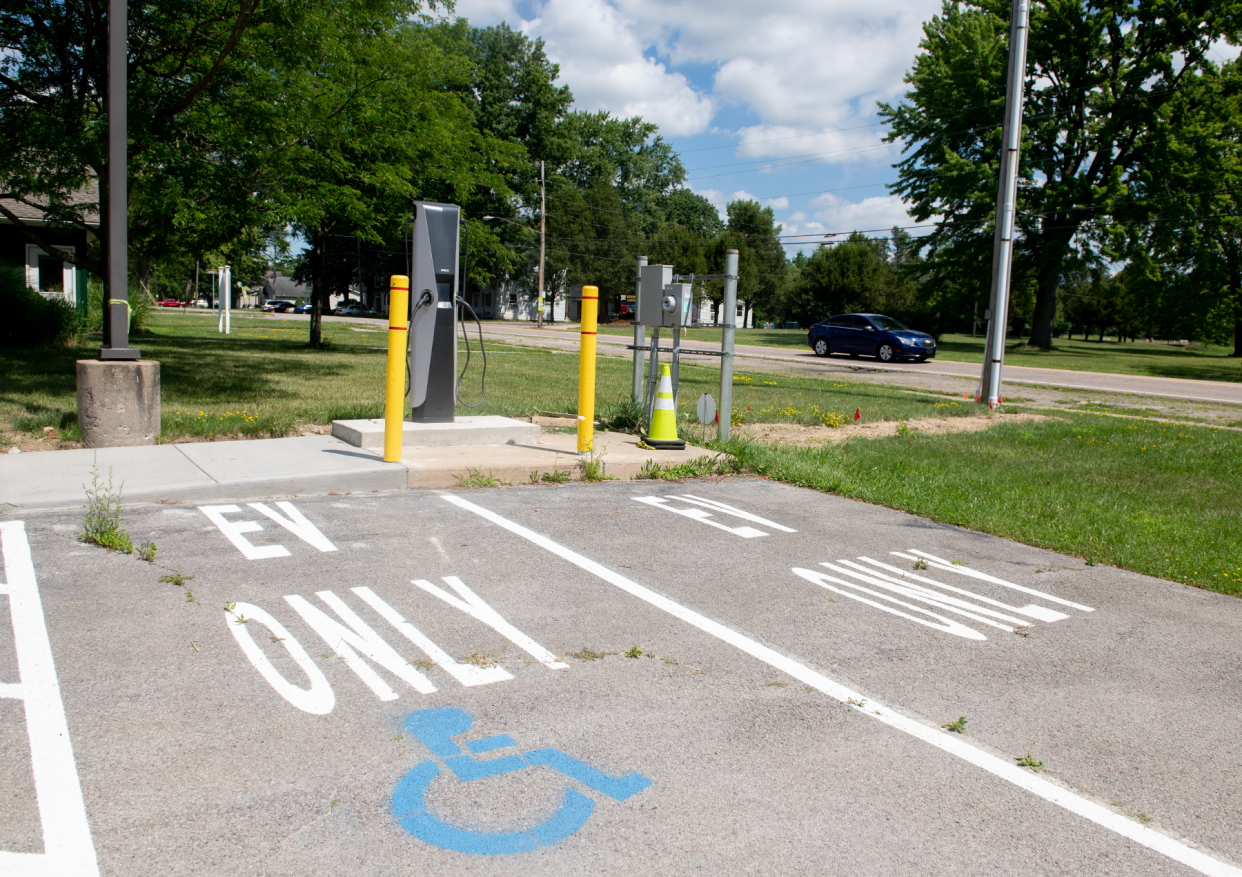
<point x="263" y="380"/>
<point x="1157" y="359"/>
<point x="1157" y="498"/>
<point x="1160" y="499"/>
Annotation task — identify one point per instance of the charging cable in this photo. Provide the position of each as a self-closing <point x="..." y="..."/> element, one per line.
<point x="466" y="336"/>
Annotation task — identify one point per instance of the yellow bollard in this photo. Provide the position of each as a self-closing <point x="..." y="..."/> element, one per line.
<point x="394" y="401"/>
<point x="586" y="371"/>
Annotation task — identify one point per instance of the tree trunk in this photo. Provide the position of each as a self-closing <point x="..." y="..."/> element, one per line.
<point x="1045" y="306"/>
<point x="319" y="287"/>
<point x="1235" y="293"/>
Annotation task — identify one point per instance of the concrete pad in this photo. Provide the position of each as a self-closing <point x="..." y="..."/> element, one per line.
<point x="291" y="466"/>
<point x="489" y="429"/>
<point x="555" y="452"/>
<point x="55" y="479"/>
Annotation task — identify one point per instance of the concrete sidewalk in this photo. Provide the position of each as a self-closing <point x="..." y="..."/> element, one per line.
<point x="306" y="465"/>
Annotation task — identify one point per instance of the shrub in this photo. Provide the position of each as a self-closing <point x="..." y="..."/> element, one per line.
<point x="29" y="318"/>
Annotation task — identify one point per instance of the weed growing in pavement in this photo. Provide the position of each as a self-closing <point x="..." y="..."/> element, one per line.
<point x="189" y="596"/>
<point x="176" y="578"/>
<point x="102" y="524"/>
<point x="859" y="702"/>
<point x="1028" y="760"/>
<point x="557" y="476"/>
<point x="476" y="478"/>
<point x="699" y="467"/>
<point x="592" y="464"/>
<point x="1143" y="818"/>
<point x="588" y="655"/>
<point x="921" y="563"/>
<point x="958" y="727"/>
<point x="479" y="659"/>
<point x="276" y="639"/>
<point x="422" y="664"/>
<point x="777" y="683"/>
<point x="634" y="652"/>
<point x="146" y="551"/>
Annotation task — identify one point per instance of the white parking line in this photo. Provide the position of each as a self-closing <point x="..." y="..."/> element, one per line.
<point x="954" y="744"/>
<point x="68" y="850"/>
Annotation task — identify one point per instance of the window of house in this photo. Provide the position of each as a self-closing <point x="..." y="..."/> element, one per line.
<point x="513" y="299"/>
<point x="50" y="275"/>
<point x="739" y="310"/>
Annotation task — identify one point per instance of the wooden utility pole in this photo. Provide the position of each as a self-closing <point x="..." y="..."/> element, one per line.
<point x="542" y="237"/>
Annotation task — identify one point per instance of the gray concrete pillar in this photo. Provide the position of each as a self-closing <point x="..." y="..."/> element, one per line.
<point x="118" y="402"/>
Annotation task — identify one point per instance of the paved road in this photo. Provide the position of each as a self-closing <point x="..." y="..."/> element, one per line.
<point x="437" y="684"/>
<point x="1166" y="388"/>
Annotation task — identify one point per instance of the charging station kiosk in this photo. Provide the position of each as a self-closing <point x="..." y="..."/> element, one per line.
<point x="433" y="302"/>
<point x="662" y="304"/>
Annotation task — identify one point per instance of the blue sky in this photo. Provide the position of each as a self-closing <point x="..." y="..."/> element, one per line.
<point x="774" y="102"/>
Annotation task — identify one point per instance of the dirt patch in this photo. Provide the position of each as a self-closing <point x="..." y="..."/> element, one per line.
<point x="797" y="434"/>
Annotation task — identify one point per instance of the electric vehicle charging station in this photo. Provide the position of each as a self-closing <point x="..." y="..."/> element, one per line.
<point x="434" y="260"/>
<point x="662" y="304"/>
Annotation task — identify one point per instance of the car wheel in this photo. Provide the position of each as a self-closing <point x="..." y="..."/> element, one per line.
<point x="821" y="347"/>
<point x="885" y="353"/>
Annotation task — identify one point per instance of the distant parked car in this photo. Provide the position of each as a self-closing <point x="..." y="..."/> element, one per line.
<point x="171" y="303"/>
<point x="350" y="310"/>
<point x="277" y="306"/>
<point x="302" y="309"/>
<point x="202" y="303"/>
<point x="870" y="335"/>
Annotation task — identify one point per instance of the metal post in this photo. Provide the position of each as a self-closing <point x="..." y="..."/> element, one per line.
<point x="542" y="236"/>
<point x="1006" y="196"/>
<point x="640" y="332"/>
<point x="116" y="308"/>
<point x="725" y="411"/>
<point x="586" y="371"/>
<point x="394" y="397"/>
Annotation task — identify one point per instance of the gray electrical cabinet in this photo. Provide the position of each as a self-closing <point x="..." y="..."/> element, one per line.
<point x="433" y="300"/>
<point x="661" y="302"/>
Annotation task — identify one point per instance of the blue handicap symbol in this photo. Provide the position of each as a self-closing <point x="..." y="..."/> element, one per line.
<point x="436" y="728"/>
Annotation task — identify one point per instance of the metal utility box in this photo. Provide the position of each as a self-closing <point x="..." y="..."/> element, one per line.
<point x="433" y="299"/>
<point x="662" y="303"/>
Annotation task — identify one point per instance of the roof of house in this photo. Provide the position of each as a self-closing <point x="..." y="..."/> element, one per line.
<point x="277" y="285"/>
<point x="33" y="214"/>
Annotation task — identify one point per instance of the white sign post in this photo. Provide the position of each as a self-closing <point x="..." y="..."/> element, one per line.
<point x="707" y="412"/>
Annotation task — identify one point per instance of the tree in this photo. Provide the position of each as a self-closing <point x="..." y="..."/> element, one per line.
<point x="1185" y="225"/>
<point x="1099" y="75"/>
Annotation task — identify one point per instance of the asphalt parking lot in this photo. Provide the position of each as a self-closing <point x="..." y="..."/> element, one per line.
<point x="734" y="677"/>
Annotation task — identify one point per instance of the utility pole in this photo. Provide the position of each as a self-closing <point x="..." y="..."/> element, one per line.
<point x="116" y="308"/>
<point x="542" y="237"/>
<point x="640" y="333"/>
<point x="1006" y="205"/>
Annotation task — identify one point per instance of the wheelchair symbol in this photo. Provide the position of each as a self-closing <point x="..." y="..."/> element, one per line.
<point x="435" y="727"/>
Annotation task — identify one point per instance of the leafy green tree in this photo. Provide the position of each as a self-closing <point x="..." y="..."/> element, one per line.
<point x="1099" y="76"/>
<point x="1184" y="228"/>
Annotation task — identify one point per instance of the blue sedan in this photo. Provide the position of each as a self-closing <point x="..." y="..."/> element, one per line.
<point x="870" y="335"/>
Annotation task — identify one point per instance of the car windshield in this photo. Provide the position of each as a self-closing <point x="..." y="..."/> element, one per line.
<point x="888" y="324"/>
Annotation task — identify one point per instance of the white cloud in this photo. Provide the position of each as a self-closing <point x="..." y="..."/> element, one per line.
<point x="800" y="67"/>
<point x="602" y="61"/>
<point x="881" y="212"/>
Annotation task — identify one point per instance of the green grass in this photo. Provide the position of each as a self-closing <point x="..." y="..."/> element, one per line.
<point x="264" y="380"/>
<point x="1160" y="499"/>
<point x="1204" y="362"/>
